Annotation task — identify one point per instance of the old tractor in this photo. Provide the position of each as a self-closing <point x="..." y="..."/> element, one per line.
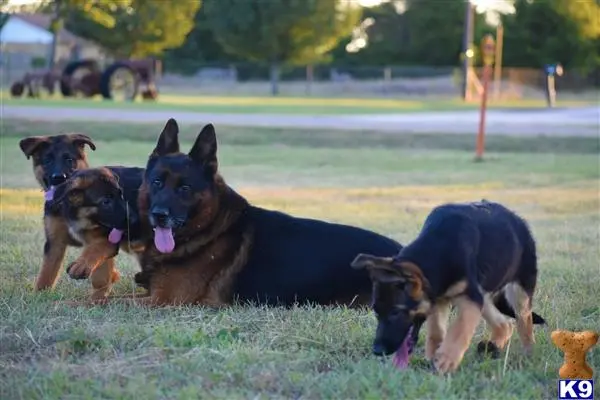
<point x="121" y="80"/>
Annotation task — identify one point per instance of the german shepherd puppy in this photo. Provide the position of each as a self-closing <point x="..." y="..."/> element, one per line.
<point x="95" y="203"/>
<point x="479" y="257"/>
<point x="210" y="246"/>
<point x="55" y="159"/>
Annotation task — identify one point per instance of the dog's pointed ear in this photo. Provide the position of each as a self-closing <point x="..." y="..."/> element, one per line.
<point x="381" y="269"/>
<point x="168" y="141"/>
<point x="416" y="281"/>
<point x="79" y="139"/>
<point x="204" y="150"/>
<point x="31" y="145"/>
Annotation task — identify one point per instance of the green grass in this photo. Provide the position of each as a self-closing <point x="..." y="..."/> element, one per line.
<point x="383" y="182"/>
<point x="284" y="105"/>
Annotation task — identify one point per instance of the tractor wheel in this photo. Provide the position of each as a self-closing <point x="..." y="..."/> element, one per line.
<point x="119" y="82"/>
<point x="75" y="71"/>
<point x="17" y="89"/>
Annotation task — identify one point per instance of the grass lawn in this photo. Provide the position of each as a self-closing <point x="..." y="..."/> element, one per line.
<point x="284" y="105"/>
<point x="384" y="182"/>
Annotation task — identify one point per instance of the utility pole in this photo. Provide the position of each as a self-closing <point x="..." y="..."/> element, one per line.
<point x="498" y="61"/>
<point x="467" y="51"/>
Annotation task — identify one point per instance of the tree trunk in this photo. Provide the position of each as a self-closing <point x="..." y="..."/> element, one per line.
<point x="274" y="73"/>
<point x="55" y="27"/>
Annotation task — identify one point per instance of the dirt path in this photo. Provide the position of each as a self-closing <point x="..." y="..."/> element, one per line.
<point x="520" y="122"/>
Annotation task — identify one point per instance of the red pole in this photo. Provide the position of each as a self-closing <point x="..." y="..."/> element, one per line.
<point x="482" y="110"/>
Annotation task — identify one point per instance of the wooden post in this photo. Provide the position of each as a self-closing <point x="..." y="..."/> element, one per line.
<point x="309" y="78"/>
<point x="487" y="50"/>
<point x="387" y="78"/>
<point x="498" y="61"/>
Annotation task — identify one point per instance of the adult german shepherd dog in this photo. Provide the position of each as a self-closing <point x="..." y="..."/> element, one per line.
<point x="211" y="247"/>
<point x="55" y="160"/>
<point x="480" y="257"/>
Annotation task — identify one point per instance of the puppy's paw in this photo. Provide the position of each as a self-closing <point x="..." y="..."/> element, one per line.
<point x="78" y="269"/>
<point x="447" y="359"/>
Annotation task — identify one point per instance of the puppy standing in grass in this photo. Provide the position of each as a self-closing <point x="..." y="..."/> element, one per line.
<point x="55" y="159"/>
<point x="479" y="257"/>
<point x="95" y="203"/>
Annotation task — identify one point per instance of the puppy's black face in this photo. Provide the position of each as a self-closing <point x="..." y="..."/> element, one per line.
<point x="96" y="195"/>
<point x="179" y="186"/>
<point x="399" y="302"/>
<point x="55" y="158"/>
<point x="397" y="316"/>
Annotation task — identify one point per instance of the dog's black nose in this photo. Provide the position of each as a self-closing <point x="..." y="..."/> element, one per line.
<point x="159" y="213"/>
<point x="378" y="349"/>
<point x="57" y="179"/>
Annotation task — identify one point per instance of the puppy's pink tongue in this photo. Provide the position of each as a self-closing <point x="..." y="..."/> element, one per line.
<point x="401" y="357"/>
<point x="163" y="240"/>
<point x="49" y="194"/>
<point x="115" y="236"/>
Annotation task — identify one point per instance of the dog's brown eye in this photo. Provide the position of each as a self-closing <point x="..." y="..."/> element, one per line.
<point x="157" y="183"/>
<point x="184" y="188"/>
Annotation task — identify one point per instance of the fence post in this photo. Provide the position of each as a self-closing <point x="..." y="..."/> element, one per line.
<point x="552" y="70"/>
<point x="387" y="78"/>
<point x="309" y="79"/>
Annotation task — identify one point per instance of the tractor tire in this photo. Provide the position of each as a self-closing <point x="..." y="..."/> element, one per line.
<point x="105" y="82"/>
<point x="17" y="89"/>
<point x="69" y="71"/>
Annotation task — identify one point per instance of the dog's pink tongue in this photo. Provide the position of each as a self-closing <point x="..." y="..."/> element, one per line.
<point x="163" y="240"/>
<point x="49" y="194"/>
<point x="401" y="357"/>
<point x="115" y="236"/>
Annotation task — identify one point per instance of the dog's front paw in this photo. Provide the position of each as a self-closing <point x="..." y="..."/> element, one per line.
<point x="78" y="270"/>
<point x="447" y="359"/>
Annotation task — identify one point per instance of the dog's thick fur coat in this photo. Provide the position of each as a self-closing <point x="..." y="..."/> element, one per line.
<point x="476" y="256"/>
<point x="212" y="247"/>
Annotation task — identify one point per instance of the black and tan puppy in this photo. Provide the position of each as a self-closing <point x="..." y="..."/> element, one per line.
<point x="55" y="159"/>
<point x="95" y="205"/>
<point x="478" y="257"/>
<point x="208" y="245"/>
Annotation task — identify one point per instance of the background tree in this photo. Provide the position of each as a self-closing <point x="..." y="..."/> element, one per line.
<point x="547" y="31"/>
<point x="415" y="33"/>
<point x="142" y="28"/>
<point x="386" y="38"/>
<point x="97" y="11"/>
<point x="281" y="31"/>
<point x="199" y="48"/>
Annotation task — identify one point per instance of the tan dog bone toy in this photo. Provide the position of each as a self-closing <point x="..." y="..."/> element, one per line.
<point x="575" y="345"/>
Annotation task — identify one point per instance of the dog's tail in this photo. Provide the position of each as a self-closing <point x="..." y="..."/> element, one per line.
<point x="502" y="305"/>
